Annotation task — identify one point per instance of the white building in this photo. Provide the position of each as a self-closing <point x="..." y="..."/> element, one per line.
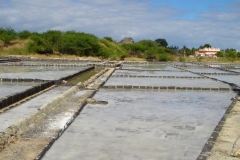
<point x="209" y="52"/>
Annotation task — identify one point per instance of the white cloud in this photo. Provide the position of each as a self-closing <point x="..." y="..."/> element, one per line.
<point x="119" y="18"/>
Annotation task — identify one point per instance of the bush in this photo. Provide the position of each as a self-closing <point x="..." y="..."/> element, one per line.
<point x="165" y="57"/>
<point x="108" y="38"/>
<point x="182" y="59"/>
<point x="7" y="35"/>
<point x="24" y="34"/>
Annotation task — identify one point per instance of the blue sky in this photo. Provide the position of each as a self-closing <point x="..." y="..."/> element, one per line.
<point x="192" y="8"/>
<point x="180" y="22"/>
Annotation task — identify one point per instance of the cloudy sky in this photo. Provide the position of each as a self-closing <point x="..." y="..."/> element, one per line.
<point x="180" y="22"/>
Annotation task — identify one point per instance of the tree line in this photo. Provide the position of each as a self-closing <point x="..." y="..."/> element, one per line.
<point x="84" y="44"/>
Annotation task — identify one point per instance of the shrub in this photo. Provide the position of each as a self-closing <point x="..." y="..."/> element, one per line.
<point x="165" y="57"/>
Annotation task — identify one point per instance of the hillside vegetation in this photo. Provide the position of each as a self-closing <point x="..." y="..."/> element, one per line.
<point x="80" y="44"/>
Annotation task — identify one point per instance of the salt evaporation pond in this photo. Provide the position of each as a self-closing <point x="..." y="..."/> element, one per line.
<point x="229" y="78"/>
<point x="151" y="67"/>
<point x="143" y="125"/>
<point x="154" y="73"/>
<point x="208" y="70"/>
<point x="39" y="72"/>
<point x="9" y="88"/>
<point x="166" y="82"/>
<point x="235" y="70"/>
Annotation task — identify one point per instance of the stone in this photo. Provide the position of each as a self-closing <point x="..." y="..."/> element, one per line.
<point x="237" y="154"/>
<point x="91" y="100"/>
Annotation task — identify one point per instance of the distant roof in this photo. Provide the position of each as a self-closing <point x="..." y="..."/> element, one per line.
<point x="127" y="40"/>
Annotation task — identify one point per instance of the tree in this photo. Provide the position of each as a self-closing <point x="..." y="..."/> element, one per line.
<point x="219" y="54"/>
<point x="174" y="49"/>
<point x="52" y="38"/>
<point x="148" y="43"/>
<point x="238" y="54"/>
<point x="193" y="51"/>
<point x="207" y="46"/>
<point x="231" y="54"/>
<point x="7" y="35"/>
<point x="161" y="42"/>
<point x="108" y="38"/>
<point x="24" y="34"/>
<point x="39" y="44"/>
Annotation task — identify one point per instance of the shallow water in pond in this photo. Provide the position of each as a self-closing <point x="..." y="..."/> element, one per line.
<point x="166" y="82"/>
<point x="83" y="77"/>
<point x="9" y="88"/>
<point x="208" y="70"/>
<point x="143" y="125"/>
<point x="44" y="73"/>
<point x="151" y="67"/>
<point x="154" y="73"/>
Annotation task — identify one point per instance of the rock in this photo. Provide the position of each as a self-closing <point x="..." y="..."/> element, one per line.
<point x="91" y="101"/>
<point x="237" y="154"/>
<point x="64" y="82"/>
<point x="11" y="140"/>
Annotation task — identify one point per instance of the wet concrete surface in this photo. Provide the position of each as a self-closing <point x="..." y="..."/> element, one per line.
<point x="9" y="88"/>
<point x="11" y="116"/>
<point x="143" y="125"/>
<point x="154" y="73"/>
<point x="166" y="82"/>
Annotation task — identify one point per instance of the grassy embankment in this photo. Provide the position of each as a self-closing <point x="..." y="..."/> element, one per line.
<point x="19" y="48"/>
